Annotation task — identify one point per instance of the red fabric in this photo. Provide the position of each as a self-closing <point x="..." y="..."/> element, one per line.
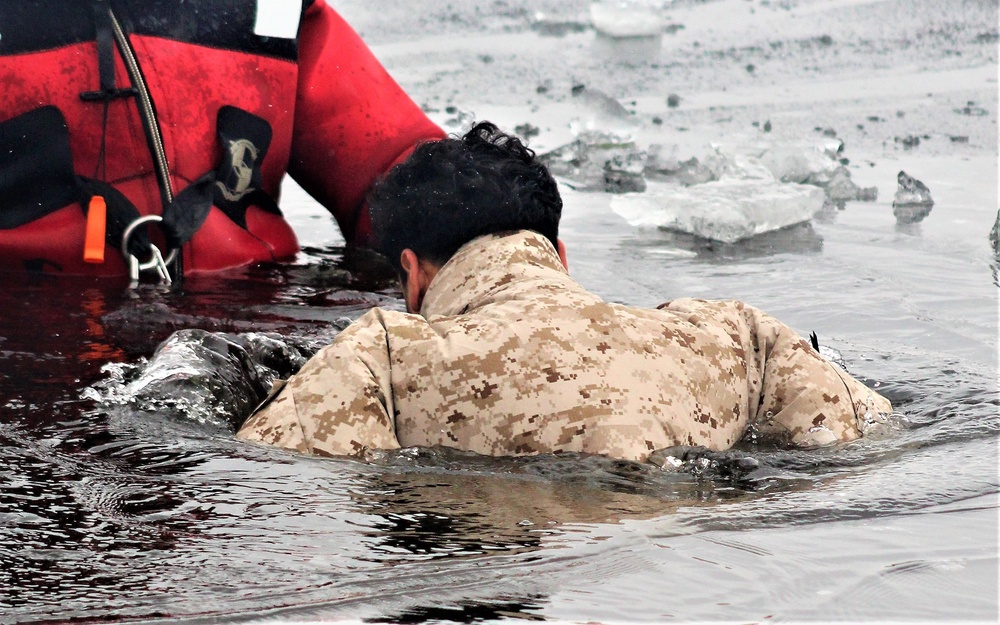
<point x="196" y="82"/>
<point x="221" y="244"/>
<point x="352" y="121"/>
<point x="44" y="242"/>
<point x="339" y="121"/>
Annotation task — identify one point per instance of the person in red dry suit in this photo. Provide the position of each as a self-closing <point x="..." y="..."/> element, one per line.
<point x="189" y="112"/>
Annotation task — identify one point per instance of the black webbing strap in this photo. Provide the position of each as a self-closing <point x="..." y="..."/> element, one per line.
<point x="104" y="31"/>
<point x="189" y="210"/>
<point x="105" y="45"/>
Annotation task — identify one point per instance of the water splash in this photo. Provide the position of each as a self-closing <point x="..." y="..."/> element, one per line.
<point x="209" y="378"/>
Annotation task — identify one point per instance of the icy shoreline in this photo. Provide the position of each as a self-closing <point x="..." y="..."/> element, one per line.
<point x="894" y="82"/>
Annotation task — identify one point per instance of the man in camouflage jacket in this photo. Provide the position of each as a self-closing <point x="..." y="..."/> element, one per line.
<point x="509" y="356"/>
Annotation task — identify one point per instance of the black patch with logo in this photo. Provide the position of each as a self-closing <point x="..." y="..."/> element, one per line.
<point x="245" y="139"/>
<point x="234" y="186"/>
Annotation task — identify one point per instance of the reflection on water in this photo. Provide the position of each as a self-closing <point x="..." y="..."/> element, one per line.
<point x="524" y="609"/>
<point x="797" y="239"/>
<point x="117" y="500"/>
<point x="135" y="513"/>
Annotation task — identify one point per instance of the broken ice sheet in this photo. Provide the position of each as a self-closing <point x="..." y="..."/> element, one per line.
<point x="815" y="163"/>
<point x="726" y="210"/>
<point x="598" y="161"/>
<point x="803" y="162"/>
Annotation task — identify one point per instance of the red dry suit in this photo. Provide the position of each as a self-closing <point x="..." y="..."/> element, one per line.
<point x="189" y="109"/>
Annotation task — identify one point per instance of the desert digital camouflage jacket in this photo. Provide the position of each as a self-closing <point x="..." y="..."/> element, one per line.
<point x="510" y="356"/>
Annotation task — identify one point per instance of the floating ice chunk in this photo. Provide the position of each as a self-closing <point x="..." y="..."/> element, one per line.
<point x="814" y="163"/>
<point x="840" y="188"/>
<point x="558" y="25"/>
<point x="726" y="210"/>
<point x="911" y="192"/>
<point x="626" y="18"/>
<point x="599" y="162"/>
<point x="628" y="31"/>
<point x="623" y="173"/>
<point x="805" y="163"/>
<point x="666" y="167"/>
<point x="600" y="103"/>
<point x="662" y="159"/>
<point x="669" y="169"/>
<point x="913" y="200"/>
<point x="726" y="164"/>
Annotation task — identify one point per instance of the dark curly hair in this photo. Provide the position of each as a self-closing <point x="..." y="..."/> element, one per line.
<point x="451" y="191"/>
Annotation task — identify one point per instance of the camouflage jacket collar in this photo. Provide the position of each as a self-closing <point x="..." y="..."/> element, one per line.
<point x="492" y="268"/>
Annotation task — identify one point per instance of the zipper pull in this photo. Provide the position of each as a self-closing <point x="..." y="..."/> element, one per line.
<point x="97" y="220"/>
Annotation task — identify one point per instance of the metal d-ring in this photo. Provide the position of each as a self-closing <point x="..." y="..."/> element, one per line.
<point x="156" y="260"/>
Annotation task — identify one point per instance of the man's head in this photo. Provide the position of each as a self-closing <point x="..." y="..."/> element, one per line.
<point x="452" y="191"/>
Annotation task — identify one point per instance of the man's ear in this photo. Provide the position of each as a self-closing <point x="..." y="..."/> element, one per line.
<point x="561" y="250"/>
<point x="419" y="274"/>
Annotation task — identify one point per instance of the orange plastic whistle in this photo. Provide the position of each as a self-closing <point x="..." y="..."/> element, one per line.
<point x="97" y="220"/>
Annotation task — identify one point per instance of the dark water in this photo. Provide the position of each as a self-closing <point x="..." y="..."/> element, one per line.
<point x="123" y="507"/>
<point x="123" y="497"/>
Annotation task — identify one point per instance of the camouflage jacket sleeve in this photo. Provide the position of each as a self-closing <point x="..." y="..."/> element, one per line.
<point x="803" y="396"/>
<point x="339" y="403"/>
<point x="794" y="393"/>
